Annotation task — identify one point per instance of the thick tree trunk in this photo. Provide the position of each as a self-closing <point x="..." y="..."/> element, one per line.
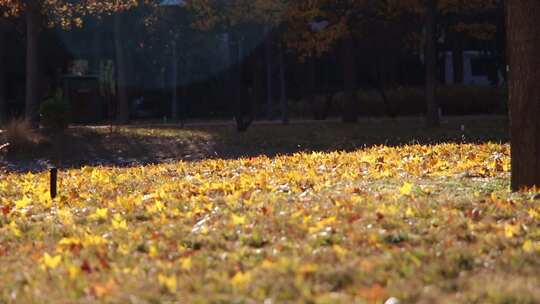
<point x="121" y="69"/>
<point x="350" y="106"/>
<point x="269" y="84"/>
<point x="523" y="23"/>
<point x="432" y="118"/>
<point x="3" y="101"/>
<point x="32" y="64"/>
<point x="283" y="88"/>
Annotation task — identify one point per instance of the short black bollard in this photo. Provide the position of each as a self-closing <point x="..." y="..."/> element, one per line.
<point x="54" y="179"/>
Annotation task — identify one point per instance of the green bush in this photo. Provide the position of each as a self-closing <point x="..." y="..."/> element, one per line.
<point x="55" y="113"/>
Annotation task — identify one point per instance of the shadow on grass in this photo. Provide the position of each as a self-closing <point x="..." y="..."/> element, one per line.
<point x="139" y="145"/>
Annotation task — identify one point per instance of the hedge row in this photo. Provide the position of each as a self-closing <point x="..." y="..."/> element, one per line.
<point x="408" y="101"/>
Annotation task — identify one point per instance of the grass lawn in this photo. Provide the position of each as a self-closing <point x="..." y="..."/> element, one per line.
<point x="425" y="223"/>
<point x="137" y="145"/>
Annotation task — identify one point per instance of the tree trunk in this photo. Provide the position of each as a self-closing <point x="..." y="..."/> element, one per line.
<point x="123" y="99"/>
<point x="283" y="88"/>
<point x="380" y="88"/>
<point x="350" y="106"/>
<point x="241" y="104"/>
<point x="524" y="48"/>
<point x="174" y="83"/>
<point x="269" y="85"/>
<point x="96" y="50"/>
<point x="310" y="94"/>
<point x="32" y="64"/>
<point x="3" y="101"/>
<point x="258" y="83"/>
<point x="432" y="118"/>
<point x="457" y="59"/>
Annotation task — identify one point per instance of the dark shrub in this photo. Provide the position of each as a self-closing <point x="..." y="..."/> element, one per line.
<point x="55" y="113"/>
<point x="453" y="100"/>
<point x="320" y="107"/>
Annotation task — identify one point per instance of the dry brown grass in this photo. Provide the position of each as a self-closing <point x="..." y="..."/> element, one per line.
<point x="19" y="136"/>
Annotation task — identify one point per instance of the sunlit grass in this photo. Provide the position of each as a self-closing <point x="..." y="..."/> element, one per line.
<point x="415" y="222"/>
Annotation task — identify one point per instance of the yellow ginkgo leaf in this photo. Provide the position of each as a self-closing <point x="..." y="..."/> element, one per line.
<point x="15" y="229"/>
<point x="23" y="202"/>
<point x="168" y="282"/>
<point x="153" y="251"/>
<point x="74" y="271"/>
<point x="65" y="216"/>
<point x="238" y="220"/>
<point x="101" y="213"/>
<point x="186" y="263"/>
<point x="119" y="223"/>
<point x="410" y="212"/>
<point x="308" y="268"/>
<point x="51" y="262"/>
<point x="241" y="279"/>
<point x="511" y="230"/>
<point x="406" y="189"/>
<point x="528" y="246"/>
<point x="533" y="214"/>
<point x="340" y="251"/>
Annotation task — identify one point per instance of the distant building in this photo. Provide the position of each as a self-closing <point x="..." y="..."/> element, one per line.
<point x="479" y="69"/>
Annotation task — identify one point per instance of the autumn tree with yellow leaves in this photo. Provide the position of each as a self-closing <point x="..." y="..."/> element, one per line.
<point x="345" y="22"/>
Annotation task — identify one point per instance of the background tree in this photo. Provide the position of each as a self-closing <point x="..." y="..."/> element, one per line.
<point x="62" y="13"/>
<point x="423" y="20"/>
<point x="523" y="21"/>
<point x="245" y="22"/>
<point x="3" y="49"/>
<point x="121" y="65"/>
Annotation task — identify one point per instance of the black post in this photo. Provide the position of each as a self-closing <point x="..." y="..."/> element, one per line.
<point x="54" y="179"/>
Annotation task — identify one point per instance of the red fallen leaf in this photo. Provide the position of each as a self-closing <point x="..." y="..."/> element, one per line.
<point x="359" y="191"/>
<point x="86" y="266"/>
<point x="155" y="235"/>
<point x="6" y="210"/>
<point x="380" y="216"/>
<point x="264" y="210"/>
<point x="355" y="217"/>
<point x="75" y="249"/>
<point x="187" y="253"/>
<point x="103" y="262"/>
